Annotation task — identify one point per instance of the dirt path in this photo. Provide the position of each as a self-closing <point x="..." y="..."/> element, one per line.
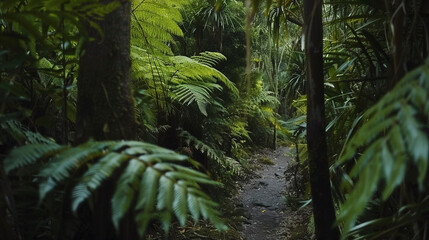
<point x="263" y="197"/>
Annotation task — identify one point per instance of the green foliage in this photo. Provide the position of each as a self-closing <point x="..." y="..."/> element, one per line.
<point x="385" y="227"/>
<point x="152" y="184"/>
<point x="395" y="145"/>
<point x="210" y="24"/>
<point x="199" y="92"/>
<point x="25" y="24"/>
<point x="40" y="45"/>
<point x="210" y="59"/>
<point x="155" y="23"/>
<point x="40" y="42"/>
<point x="20" y="134"/>
<point x="181" y="79"/>
<point x="200" y="67"/>
<point x="212" y="153"/>
<point x="187" y="90"/>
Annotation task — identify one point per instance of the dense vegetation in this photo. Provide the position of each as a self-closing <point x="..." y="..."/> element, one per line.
<point x="119" y="118"/>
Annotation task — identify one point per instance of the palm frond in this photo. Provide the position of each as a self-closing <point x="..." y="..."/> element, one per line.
<point x="394" y="138"/>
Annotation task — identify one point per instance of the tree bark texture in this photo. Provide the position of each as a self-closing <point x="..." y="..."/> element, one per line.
<point x="105" y="108"/>
<point x="323" y="209"/>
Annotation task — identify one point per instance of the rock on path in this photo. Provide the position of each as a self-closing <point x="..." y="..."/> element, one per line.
<point x="262" y="198"/>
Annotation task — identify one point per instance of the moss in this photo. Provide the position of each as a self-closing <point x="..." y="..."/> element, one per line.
<point x="265" y="160"/>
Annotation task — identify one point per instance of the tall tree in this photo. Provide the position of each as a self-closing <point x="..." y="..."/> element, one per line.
<point x="105" y="108"/>
<point x="323" y="209"/>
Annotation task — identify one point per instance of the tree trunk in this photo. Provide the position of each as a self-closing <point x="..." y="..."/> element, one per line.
<point x="323" y="209"/>
<point x="105" y="108"/>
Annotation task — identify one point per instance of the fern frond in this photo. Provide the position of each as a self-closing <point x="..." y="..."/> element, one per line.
<point x="126" y="188"/>
<point x="155" y="22"/>
<point x="146" y="199"/>
<point x="192" y="69"/>
<point x="22" y="135"/>
<point x="199" y="92"/>
<point x="190" y="81"/>
<point x="93" y="178"/>
<point x="29" y="154"/>
<point x="266" y="97"/>
<point x="236" y="167"/>
<point x="211" y="59"/>
<point x="216" y="155"/>
<point x="67" y="161"/>
<point x="179" y="204"/>
<point x="151" y="185"/>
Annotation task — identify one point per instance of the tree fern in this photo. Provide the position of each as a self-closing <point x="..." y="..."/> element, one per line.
<point x="152" y="183"/>
<point x="153" y="24"/>
<point x="199" y="92"/>
<point x="394" y="137"/>
<point x="211" y="59"/>
<point x="192" y="69"/>
<point x="184" y="80"/>
<point x="181" y="79"/>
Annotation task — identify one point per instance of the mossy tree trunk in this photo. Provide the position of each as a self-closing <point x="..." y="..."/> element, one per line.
<point x="105" y="108"/>
<point x="323" y="209"/>
<point x="105" y="105"/>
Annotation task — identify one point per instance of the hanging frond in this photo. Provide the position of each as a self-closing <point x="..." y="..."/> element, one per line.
<point x="188" y="68"/>
<point x="200" y="92"/>
<point x="29" y="154"/>
<point x="154" y="23"/>
<point x="211" y="59"/>
<point x="394" y="136"/>
<point x="213" y="154"/>
<point x="152" y="183"/>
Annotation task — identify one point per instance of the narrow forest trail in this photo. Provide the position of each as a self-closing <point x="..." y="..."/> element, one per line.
<point x="263" y="197"/>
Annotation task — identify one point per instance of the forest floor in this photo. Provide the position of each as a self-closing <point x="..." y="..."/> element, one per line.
<point x="271" y="210"/>
<point x="265" y="207"/>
